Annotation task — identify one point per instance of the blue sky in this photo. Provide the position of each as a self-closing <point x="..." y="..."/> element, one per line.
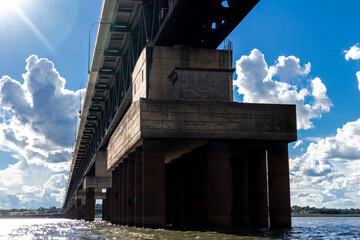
<point x="302" y="52"/>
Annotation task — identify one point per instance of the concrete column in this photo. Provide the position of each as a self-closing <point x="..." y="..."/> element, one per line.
<point x="153" y="167"/>
<point x="187" y="211"/>
<point x="218" y="171"/>
<point x="83" y="207"/>
<point x="104" y="209"/>
<point x="279" y="186"/>
<point x="124" y="192"/>
<point x="116" y="196"/>
<point x="200" y="187"/>
<point x="90" y="204"/>
<point x="131" y="188"/>
<point x="240" y="191"/>
<point x="112" y="216"/>
<point x="119" y="201"/>
<point x="175" y="192"/>
<point x="258" y="205"/>
<point x="138" y="188"/>
<point x="78" y="209"/>
<point x="73" y="212"/>
<point x="106" y="215"/>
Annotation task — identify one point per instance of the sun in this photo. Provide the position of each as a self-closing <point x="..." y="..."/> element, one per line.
<point x="7" y="7"/>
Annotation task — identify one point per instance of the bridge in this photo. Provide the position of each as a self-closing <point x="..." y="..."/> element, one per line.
<point x="160" y="139"/>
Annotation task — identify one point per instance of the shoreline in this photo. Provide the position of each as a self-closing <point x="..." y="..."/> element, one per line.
<point x="324" y="215"/>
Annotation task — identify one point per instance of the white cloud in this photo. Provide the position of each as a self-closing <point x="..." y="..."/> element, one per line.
<point x="353" y="53"/>
<point x="298" y="143"/>
<point x="284" y="83"/>
<point x="328" y="173"/>
<point x="37" y="120"/>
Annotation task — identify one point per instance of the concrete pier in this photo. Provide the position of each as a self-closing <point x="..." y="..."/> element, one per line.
<point x="90" y="204"/>
<point x="258" y="204"/>
<point x="218" y="184"/>
<point x="138" y="206"/>
<point x="153" y="192"/>
<point x="131" y="189"/>
<point x="159" y="129"/>
<point x="177" y="159"/>
<point x="279" y="188"/>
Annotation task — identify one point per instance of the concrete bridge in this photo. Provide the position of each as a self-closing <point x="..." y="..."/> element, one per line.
<point x="160" y="139"/>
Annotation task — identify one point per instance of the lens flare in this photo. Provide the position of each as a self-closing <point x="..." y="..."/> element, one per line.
<point x="7" y="6"/>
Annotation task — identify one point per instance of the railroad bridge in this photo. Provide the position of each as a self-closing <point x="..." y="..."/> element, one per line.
<point x="160" y="139"/>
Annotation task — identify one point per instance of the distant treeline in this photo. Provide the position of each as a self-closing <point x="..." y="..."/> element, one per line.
<point x="43" y="212"/>
<point x="312" y="210"/>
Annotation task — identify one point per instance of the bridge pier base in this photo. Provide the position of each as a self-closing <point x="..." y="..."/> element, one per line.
<point x="279" y="188"/>
<point x="106" y="206"/>
<point x="130" y="189"/>
<point x="78" y="209"/>
<point x="90" y="204"/>
<point x="116" y="195"/>
<point x="153" y="168"/>
<point x="218" y="184"/>
<point x="240" y="190"/>
<point x="258" y="206"/>
<point x="123" y="182"/>
<point x="138" y="219"/>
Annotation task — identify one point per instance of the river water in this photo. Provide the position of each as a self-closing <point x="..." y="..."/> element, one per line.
<point x="303" y="228"/>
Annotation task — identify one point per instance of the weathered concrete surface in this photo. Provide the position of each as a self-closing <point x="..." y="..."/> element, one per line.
<point x="97" y="182"/>
<point x="202" y="84"/>
<point x="200" y="120"/>
<point x="151" y="72"/>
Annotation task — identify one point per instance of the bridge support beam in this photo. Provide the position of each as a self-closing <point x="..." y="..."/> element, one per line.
<point x="106" y="206"/>
<point x="138" y="220"/>
<point x="115" y="176"/>
<point x="124" y="192"/>
<point x="153" y="168"/>
<point x="218" y="184"/>
<point x="130" y="189"/>
<point x="90" y="204"/>
<point x="78" y="209"/>
<point x="240" y="186"/>
<point x="258" y="205"/>
<point x="279" y="188"/>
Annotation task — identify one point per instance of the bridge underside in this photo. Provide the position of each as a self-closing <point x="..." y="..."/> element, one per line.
<point x="160" y="140"/>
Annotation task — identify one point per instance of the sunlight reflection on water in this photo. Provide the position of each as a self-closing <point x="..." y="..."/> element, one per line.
<point x="303" y="228"/>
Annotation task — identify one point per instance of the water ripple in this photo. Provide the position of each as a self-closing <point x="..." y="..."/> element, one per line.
<point x="58" y="229"/>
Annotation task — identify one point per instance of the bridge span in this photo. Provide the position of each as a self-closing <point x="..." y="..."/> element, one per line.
<point x="160" y="139"/>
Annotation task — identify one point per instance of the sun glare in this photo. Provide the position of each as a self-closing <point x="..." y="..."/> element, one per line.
<point x="7" y="6"/>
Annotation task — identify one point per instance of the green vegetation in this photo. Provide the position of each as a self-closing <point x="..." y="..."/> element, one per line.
<point x="321" y="212"/>
<point x="40" y="212"/>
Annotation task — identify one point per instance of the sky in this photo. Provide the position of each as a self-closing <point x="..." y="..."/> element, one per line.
<point x="300" y="52"/>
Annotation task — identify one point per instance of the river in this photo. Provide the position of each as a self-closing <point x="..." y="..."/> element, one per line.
<point x="303" y="228"/>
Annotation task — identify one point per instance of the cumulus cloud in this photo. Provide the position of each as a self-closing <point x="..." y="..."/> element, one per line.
<point x="353" y="53"/>
<point x="285" y="82"/>
<point x="31" y="186"/>
<point x="328" y="173"/>
<point x="37" y="119"/>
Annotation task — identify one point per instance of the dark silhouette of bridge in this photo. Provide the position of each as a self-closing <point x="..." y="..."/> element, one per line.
<point x="160" y="139"/>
